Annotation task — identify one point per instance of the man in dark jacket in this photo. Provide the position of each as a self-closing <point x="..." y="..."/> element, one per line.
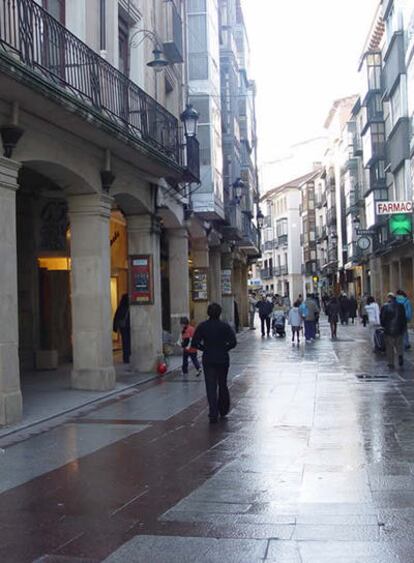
<point x="265" y="308"/>
<point x="215" y="339"/>
<point x="344" y="308"/>
<point x="122" y="323"/>
<point x="394" y="323"/>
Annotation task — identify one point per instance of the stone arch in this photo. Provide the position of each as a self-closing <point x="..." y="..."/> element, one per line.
<point x="55" y="176"/>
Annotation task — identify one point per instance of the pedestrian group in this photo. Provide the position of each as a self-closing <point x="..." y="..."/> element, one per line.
<point x="387" y="325"/>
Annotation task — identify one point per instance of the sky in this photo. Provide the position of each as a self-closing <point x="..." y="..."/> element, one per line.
<point x="304" y="55"/>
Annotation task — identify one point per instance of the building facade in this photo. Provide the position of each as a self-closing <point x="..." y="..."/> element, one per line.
<point x="98" y="185"/>
<point x="284" y="238"/>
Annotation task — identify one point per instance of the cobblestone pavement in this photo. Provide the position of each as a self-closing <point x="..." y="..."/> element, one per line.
<point x="315" y="464"/>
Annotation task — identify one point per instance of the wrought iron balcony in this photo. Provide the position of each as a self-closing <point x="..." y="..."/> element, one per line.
<point x="282" y="240"/>
<point x="250" y="242"/>
<point x="266" y="273"/>
<point x="234" y="219"/>
<point x="31" y="38"/>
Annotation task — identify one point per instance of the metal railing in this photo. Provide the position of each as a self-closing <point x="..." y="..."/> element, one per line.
<point x="32" y="37"/>
<point x="266" y="273"/>
<point x="282" y="240"/>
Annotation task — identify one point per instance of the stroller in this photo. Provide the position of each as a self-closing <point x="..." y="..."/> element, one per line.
<point x="278" y="323"/>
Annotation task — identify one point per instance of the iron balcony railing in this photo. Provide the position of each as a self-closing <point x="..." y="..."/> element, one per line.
<point x="282" y="240"/>
<point x="266" y="273"/>
<point x="251" y="235"/>
<point x="31" y="36"/>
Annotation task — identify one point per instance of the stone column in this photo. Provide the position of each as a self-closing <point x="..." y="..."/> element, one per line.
<point x="146" y="320"/>
<point x="237" y="288"/>
<point x="90" y="286"/>
<point x="244" y="300"/>
<point x="200" y="255"/>
<point x="215" y="274"/>
<point x="227" y="300"/>
<point x="10" y="394"/>
<point x="179" y="278"/>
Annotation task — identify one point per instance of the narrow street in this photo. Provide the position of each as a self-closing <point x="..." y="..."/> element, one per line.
<point x="314" y="464"/>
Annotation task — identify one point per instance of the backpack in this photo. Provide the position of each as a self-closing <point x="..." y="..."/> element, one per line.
<point x="303" y="310"/>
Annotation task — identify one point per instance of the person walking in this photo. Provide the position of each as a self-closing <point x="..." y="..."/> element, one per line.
<point x="403" y="299"/>
<point x="309" y="311"/>
<point x="394" y="323"/>
<point x="189" y="352"/>
<point x="252" y="311"/>
<point x="122" y="324"/>
<point x="295" y="321"/>
<point x="333" y="310"/>
<point x="344" y="308"/>
<point x="372" y="311"/>
<point x="265" y="308"/>
<point x="362" y="311"/>
<point x="215" y="339"/>
<point x="353" y="308"/>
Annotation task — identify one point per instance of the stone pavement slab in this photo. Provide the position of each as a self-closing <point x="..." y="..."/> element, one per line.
<point x="313" y="464"/>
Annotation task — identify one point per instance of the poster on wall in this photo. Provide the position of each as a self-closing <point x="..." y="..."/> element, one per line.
<point x="141" y="280"/>
<point x="226" y="288"/>
<point x="200" y="284"/>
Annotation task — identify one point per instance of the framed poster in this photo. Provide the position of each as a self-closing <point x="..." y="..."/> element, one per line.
<point x="226" y="288"/>
<point x="141" y="287"/>
<point x="200" y="284"/>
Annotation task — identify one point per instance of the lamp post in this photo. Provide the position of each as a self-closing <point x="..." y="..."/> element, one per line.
<point x="189" y="118"/>
<point x="158" y="62"/>
<point x="238" y="188"/>
<point x="260" y="219"/>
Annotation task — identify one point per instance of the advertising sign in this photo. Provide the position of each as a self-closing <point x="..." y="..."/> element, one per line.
<point x="400" y="225"/>
<point x="226" y="288"/>
<point x="200" y="284"/>
<point x="394" y="207"/>
<point x="141" y="280"/>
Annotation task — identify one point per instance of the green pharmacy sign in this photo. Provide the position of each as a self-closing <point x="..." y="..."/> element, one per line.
<point x="401" y="224"/>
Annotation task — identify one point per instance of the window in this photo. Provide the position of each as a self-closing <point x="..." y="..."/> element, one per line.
<point x="123" y="47"/>
<point x="281" y="227"/>
<point x="198" y="66"/>
<point x="56" y="8"/>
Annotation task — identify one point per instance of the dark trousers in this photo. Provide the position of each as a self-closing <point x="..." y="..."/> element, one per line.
<point x="216" y="380"/>
<point x="126" y="344"/>
<point x="364" y="320"/>
<point x="194" y="359"/>
<point x="266" y="320"/>
<point x="310" y="329"/>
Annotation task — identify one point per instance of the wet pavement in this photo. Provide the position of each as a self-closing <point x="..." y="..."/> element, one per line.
<point x="315" y="464"/>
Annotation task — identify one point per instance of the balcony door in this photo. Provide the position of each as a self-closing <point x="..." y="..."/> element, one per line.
<point x="56" y="8"/>
<point x="53" y="39"/>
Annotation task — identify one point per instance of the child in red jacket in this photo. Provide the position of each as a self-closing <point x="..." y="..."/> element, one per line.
<point x="187" y="332"/>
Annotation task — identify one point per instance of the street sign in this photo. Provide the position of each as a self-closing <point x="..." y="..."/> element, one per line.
<point x="393" y="207"/>
<point x="365" y="232"/>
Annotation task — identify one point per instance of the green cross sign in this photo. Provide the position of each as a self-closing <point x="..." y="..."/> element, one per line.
<point x="401" y="224"/>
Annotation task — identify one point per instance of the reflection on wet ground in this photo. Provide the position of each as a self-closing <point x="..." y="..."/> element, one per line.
<point x="314" y="464"/>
